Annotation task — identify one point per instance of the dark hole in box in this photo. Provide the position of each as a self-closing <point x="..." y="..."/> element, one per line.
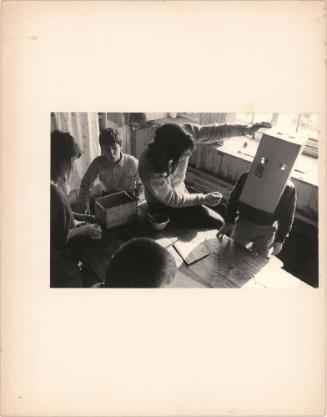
<point x="115" y="200"/>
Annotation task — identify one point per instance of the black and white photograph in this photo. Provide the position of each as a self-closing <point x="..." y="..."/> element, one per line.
<point x="184" y="200"/>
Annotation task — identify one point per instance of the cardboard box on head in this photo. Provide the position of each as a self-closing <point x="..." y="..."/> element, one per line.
<point x="270" y="170"/>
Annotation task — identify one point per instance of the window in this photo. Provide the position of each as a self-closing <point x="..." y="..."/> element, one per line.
<point x="192" y="117"/>
<point x="291" y="123"/>
<point x="250" y="118"/>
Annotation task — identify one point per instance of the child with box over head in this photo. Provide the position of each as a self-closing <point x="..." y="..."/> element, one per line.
<point x="163" y="165"/>
<point x="64" y="260"/>
<point x="140" y="263"/>
<point x="115" y="170"/>
<point x="264" y="232"/>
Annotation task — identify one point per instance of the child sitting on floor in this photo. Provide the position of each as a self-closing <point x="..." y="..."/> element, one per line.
<point x="114" y="169"/>
<point x="163" y="166"/>
<point x="140" y="263"/>
<point x="65" y="257"/>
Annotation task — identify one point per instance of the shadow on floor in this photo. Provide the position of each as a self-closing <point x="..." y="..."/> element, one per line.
<point x="300" y="253"/>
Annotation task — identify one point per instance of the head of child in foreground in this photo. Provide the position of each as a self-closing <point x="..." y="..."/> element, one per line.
<point x="110" y="143"/>
<point x="140" y="263"/>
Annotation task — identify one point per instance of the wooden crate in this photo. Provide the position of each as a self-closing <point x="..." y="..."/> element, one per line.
<point x="115" y="209"/>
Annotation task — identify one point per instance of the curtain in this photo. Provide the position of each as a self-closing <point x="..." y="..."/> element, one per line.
<point x="84" y="127"/>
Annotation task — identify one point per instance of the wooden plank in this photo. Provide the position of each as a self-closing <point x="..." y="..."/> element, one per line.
<point x="217" y="162"/>
<point x="183" y="281"/>
<point x="198" y="158"/>
<point x="202" y="158"/>
<point x="229" y="265"/>
<point x="192" y="159"/>
<point x="210" y="156"/>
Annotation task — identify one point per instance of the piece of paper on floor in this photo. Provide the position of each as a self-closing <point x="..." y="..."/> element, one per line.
<point x="189" y="253"/>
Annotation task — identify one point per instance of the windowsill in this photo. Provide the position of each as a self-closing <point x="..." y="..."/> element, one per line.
<point x="306" y="169"/>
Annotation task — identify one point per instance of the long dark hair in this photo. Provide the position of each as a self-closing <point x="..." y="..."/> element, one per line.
<point x="169" y="143"/>
<point x="63" y="149"/>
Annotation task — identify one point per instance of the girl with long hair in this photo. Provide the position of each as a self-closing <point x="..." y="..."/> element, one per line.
<point x="64" y="265"/>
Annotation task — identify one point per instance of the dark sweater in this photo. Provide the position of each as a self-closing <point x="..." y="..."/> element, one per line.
<point x="284" y="212"/>
<point x="61" y="217"/>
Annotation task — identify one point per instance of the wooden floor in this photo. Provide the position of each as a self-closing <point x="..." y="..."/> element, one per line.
<point x="228" y="265"/>
<point x="300" y="251"/>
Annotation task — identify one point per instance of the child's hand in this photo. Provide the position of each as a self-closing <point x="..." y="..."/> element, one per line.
<point x="92" y="230"/>
<point x="89" y="218"/>
<point x="79" y="223"/>
<point x="277" y="248"/>
<point x="212" y="199"/>
<point x="257" y="126"/>
<point x="225" y="230"/>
